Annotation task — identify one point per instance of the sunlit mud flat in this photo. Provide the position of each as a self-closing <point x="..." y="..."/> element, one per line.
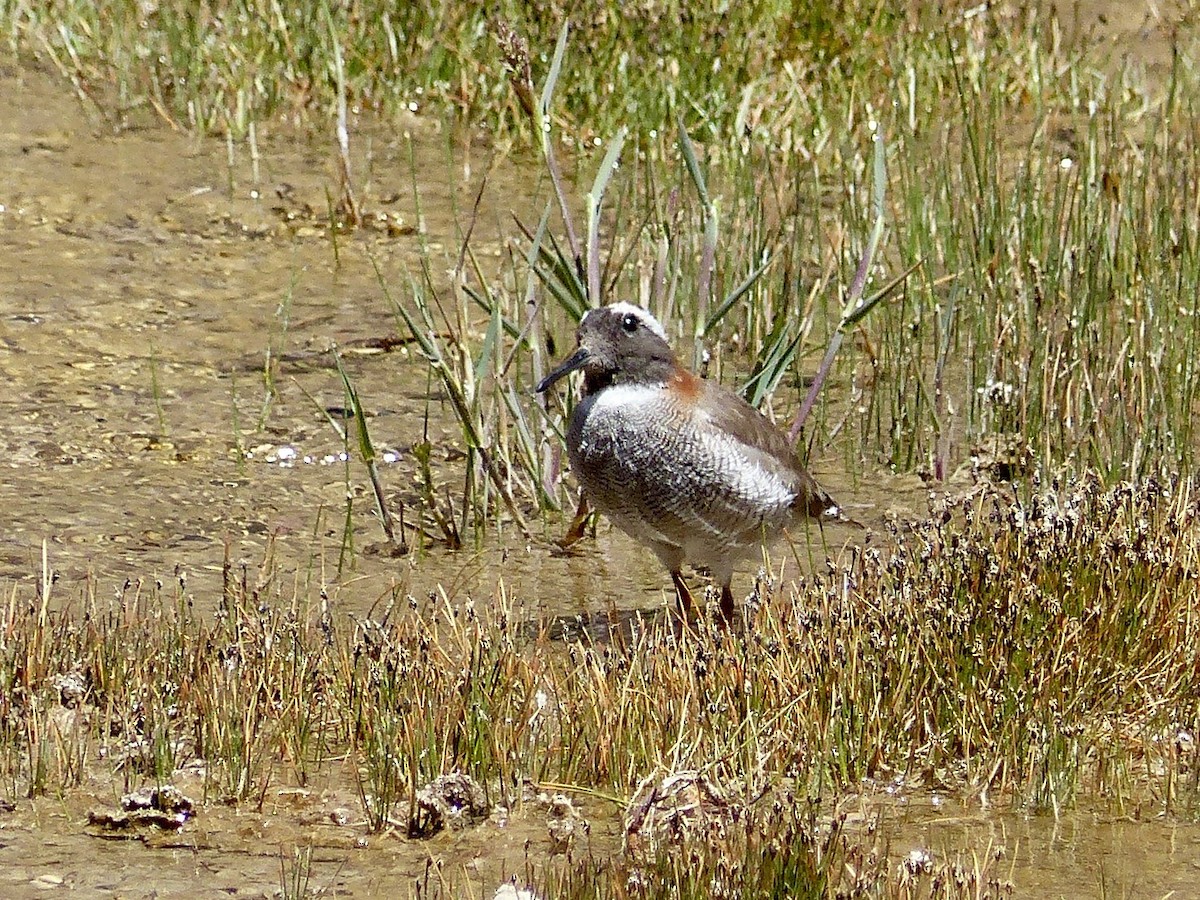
<point x="167" y="333"/>
<point x="310" y="839"/>
<point x="149" y="284"/>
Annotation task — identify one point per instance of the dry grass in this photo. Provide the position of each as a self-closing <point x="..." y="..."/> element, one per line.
<point x="1041" y="653"/>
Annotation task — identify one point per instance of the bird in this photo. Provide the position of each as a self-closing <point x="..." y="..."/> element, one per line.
<point x="681" y="464"/>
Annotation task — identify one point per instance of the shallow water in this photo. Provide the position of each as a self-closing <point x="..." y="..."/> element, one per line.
<point x="146" y="282"/>
<point x="143" y="295"/>
<point x="1080" y="854"/>
<point x="228" y="851"/>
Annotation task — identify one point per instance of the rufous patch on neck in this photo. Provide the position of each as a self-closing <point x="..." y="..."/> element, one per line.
<point x="685" y="384"/>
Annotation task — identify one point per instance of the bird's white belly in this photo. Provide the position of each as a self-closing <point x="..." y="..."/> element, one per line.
<point x="663" y="473"/>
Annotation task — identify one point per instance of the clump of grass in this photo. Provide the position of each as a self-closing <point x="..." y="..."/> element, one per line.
<point x="366" y="451"/>
<point x="227" y="66"/>
<point x="1040" y="652"/>
<point x="779" y="847"/>
<point x="1038" y="319"/>
<point x="294" y="873"/>
<point x="475" y="709"/>
<point x="1006" y="346"/>
<point x="1051" y="313"/>
<point x="513" y="449"/>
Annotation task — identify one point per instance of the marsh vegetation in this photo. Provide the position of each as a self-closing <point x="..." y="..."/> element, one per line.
<point x="1018" y="633"/>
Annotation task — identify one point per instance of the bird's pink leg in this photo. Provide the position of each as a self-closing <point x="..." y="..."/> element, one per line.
<point x="682" y="594"/>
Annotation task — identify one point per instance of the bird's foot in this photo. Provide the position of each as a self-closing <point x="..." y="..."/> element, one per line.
<point x="728" y="608"/>
<point x="578" y="525"/>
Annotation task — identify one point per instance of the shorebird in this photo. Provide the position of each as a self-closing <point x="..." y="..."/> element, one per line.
<point x="680" y="464"/>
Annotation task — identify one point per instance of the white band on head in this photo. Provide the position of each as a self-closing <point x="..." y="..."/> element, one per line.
<point x="622" y="308"/>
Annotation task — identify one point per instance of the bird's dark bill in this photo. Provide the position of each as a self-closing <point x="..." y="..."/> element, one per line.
<point x="568" y="365"/>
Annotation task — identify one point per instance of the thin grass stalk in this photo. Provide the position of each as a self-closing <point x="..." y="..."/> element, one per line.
<point x="349" y="201"/>
<point x="709" y="245"/>
<point x="424" y="333"/>
<point x="366" y="451"/>
<point x="855" y="308"/>
<point x="595" y="200"/>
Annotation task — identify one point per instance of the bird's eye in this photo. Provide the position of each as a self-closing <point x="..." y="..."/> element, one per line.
<point x="629" y="322"/>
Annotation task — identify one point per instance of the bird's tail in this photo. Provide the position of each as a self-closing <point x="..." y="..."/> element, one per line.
<point x="814" y="502"/>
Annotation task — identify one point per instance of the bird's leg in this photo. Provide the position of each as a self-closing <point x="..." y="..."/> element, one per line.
<point x="727" y="605"/>
<point x="682" y="594"/>
<point x="578" y="524"/>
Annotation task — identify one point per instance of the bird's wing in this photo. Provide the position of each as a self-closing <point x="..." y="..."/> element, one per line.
<point x="767" y="446"/>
